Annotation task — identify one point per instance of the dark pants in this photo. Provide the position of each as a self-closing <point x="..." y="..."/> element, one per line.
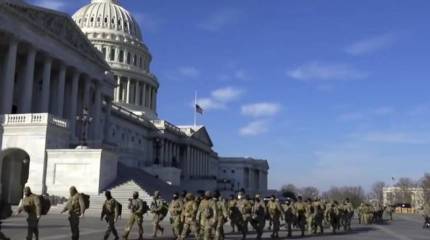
<point x="32" y="228"/>
<point x="111" y="228"/>
<point x="74" y="226"/>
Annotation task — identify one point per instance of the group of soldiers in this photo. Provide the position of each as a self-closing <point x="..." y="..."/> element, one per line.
<point x="205" y="215"/>
<point x="369" y="213"/>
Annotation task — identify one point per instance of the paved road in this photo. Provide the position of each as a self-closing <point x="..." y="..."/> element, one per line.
<point x="55" y="227"/>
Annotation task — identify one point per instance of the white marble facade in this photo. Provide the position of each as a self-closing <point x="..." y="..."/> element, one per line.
<point x="53" y="66"/>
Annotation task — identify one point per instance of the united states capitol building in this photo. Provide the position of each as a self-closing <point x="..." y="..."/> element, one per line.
<point x="67" y="79"/>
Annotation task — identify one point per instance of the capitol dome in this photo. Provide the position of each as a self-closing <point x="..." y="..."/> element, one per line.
<point x="116" y="34"/>
<point x="107" y="15"/>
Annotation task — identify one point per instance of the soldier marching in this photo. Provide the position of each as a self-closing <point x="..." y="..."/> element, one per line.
<point x="204" y="217"/>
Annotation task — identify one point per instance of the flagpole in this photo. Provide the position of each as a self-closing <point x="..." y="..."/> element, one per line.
<point x="195" y="110"/>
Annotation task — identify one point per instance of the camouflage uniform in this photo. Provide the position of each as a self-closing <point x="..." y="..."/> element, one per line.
<point x="157" y="208"/>
<point x="300" y="207"/>
<point x="175" y="210"/>
<point x="332" y="214"/>
<point x="259" y="216"/>
<point x="189" y="215"/>
<point x="275" y="212"/>
<point x="318" y="216"/>
<point x="245" y="208"/>
<point x="234" y="214"/>
<point x="137" y="208"/>
<point x="290" y="216"/>
<point x="75" y="207"/>
<point x="310" y="216"/>
<point x="32" y="206"/>
<point x="207" y="216"/>
<point x="222" y="217"/>
<point x="110" y="214"/>
<point x="348" y="214"/>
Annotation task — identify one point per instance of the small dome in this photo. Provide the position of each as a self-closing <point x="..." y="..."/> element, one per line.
<point x="107" y="16"/>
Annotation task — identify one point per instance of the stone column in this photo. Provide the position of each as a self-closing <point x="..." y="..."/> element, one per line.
<point x="8" y="78"/>
<point x="117" y="89"/>
<point x="136" y="93"/>
<point x="27" y="92"/>
<point x="144" y="94"/>
<point x="60" y="91"/>
<point x="46" y="82"/>
<point x="86" y="100"/>
<point x="161" y="157"/>
<point x="153" y="99"/>
<point x="74" y="103"/>
<point x="97" y="112"/>
<point x="128" y="90"/>
<point x="187" y="162"/>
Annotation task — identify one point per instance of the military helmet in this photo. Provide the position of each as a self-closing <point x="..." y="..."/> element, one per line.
<point x="189" y="196"/>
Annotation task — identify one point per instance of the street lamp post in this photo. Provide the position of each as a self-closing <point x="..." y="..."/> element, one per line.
<point x="86" y="120"/>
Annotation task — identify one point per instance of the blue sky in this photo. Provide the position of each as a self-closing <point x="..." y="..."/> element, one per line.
<point x="330" y="92"/>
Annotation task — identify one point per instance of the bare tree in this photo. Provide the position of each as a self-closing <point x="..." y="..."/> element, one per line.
<point x="404" y="192"/>
<point x="377" y="191"/>
<point x="355" y="194"/>
<point x="289" y="191"/>
<point x="425" y="184"/>
<point x="309" y="192"/>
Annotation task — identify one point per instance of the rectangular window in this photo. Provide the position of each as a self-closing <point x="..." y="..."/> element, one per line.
<point x="128" y="58"/>
<point x="140" y="62"/>
<point x="112" y="54"/>
<point x="104" y="51"/>
<point x="121" y="56"/>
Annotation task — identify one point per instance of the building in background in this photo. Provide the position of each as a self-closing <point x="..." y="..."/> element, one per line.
<point x="78" y="106"/>
<point x="397" y="195"/>
<point x="246" y="174"/>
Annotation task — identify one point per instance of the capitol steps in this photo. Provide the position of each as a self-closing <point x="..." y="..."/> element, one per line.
<point x="131" y="180"/>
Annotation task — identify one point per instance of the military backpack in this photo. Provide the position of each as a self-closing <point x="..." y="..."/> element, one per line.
<point x="45" y="204"/>
<point x="86" y="200"/>
<point x="119" y="208"/>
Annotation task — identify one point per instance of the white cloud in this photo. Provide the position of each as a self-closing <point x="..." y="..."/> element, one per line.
<point x="52" y="4"/>
<point x="254" y="128"/>
<point x="370" y="45"/>
<point x="183" y="73"/>
<point x="220" y="19"/>
<point x="220" y="98"/>
<point x="322" y="71"/>
<point x="226" y="94"/>
<point x="148" y="22"/>
<point x="263" y="109"/>
<point x="189" y="71"/>
<point x="236" y="74"/>
<point x="209" y="104"/>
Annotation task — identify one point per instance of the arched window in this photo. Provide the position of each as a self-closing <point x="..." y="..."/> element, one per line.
<point x="140" y="61"/>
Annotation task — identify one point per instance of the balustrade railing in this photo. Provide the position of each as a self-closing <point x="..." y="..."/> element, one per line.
<point x="33" y="119"/>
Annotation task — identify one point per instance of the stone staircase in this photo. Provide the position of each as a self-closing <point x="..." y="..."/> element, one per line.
<point x="131" y="180"/>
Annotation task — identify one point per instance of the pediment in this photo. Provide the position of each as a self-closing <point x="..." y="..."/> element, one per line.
<point x="203" y="136"/>
<point x="60" y="26"/>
